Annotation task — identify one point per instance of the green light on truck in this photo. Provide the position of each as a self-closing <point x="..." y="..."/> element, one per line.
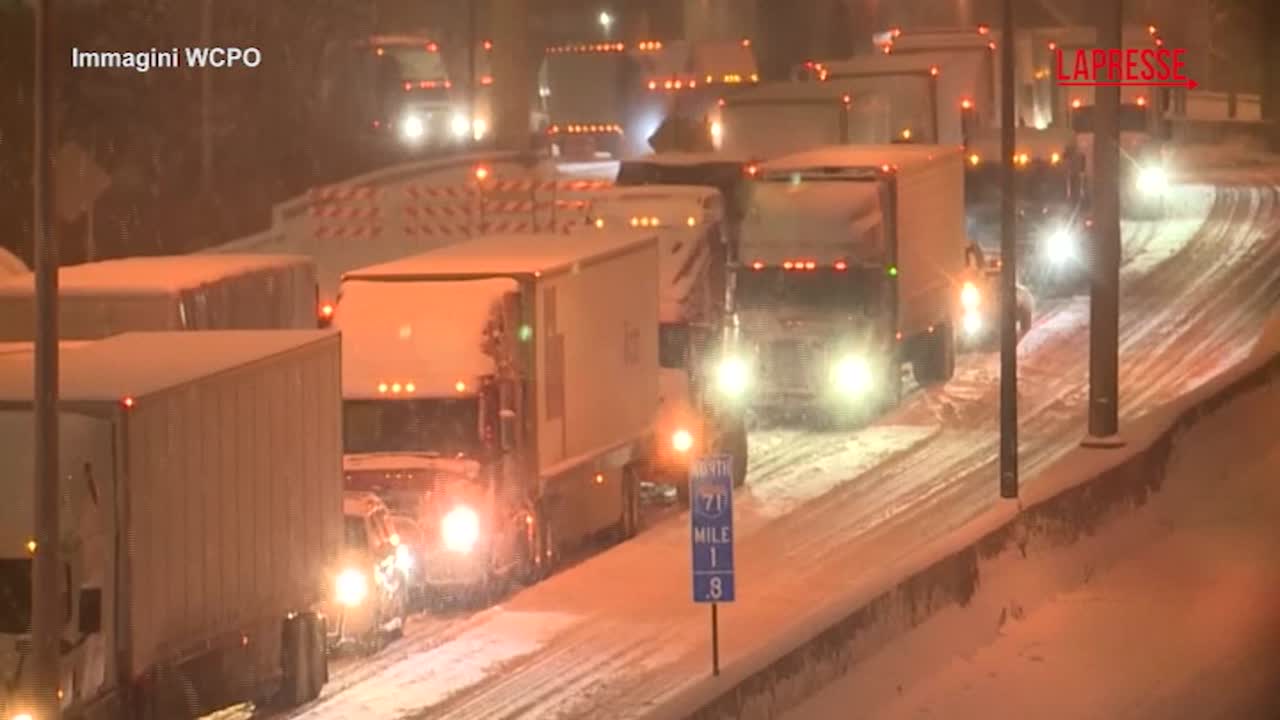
<point x="526" y="333"/>
<point x="893" y="271"/>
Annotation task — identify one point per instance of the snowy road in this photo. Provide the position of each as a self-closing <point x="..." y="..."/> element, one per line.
<point x="611" y="636"/>
<point x="1184" y="624"/>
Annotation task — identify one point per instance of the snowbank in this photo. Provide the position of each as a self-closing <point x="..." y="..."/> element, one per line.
<point x="1083" y="493"/>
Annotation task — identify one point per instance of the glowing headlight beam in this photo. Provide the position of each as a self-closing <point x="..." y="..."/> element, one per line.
<point x="460" y="126"/>
<point x="404" y="558"/>
<point x="970" y="297"/>
<point x="412" y="128"/>
<point x="1153" y="180"/>
<point x="460" y="529"/>
<point x="852" y="376"/>
<point x="352" y="587"/>
<point x="1060" y="246"/>
<point x="682" y="441"/>
<point x="733" y="376"/>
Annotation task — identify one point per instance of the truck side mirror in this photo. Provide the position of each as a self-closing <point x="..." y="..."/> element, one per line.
<point x="507" y="429"/>
<point x="90" y="610"/>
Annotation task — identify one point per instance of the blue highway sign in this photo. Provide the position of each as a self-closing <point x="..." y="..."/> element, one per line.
<point x="711" y="529"/>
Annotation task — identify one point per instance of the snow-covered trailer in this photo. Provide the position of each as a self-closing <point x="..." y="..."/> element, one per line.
<point x="200" y="519"/>
<point x="169" y="292"/>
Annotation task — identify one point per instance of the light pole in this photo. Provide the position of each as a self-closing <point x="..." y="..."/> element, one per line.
<point x="1009" y="268"/>
<point x="46" y="590"/>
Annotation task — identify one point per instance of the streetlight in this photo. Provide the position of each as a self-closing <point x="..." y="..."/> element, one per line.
<point x="606" y="20"/>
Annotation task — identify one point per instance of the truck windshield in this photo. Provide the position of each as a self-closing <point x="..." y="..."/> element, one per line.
<point x="1133" y="118"/>
<point x="1039" y="184"/>
<point x="822" y="289"/>
<point x="15" y="595"/>
<point x="448" y="427"/>
<point x="411" y="63"/>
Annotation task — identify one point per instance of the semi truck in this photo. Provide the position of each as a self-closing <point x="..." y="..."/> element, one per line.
<point x="200" y="521"/>
<point x="474" y="379"/>
<point x="186" y="292"/>
<point x="694" y="304"/>
<point x="1054" y="206"/>
<point x="404" y="87"/>
<point x="852" y="263"/>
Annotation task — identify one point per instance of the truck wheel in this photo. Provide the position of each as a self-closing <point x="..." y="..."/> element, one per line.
<point x="319" y="654"/>
<point x="294" y="662"/>
<point x="629" y="523"/>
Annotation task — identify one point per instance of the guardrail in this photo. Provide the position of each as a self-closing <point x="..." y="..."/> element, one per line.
<point x="953" y="571"/>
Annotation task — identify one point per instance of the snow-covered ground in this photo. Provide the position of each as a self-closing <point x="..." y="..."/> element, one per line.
<point x="1182" y="622"/>
<point x="824" y="513"/>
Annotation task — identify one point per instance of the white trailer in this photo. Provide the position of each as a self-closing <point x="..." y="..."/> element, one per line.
<point x="776" y="119"/>
<point x="934" y="97"/>
<point x="170" y="292"/>
<point x="201" y="479"/>
<point x="479" y="371"/>
<point x="852" y="262"/>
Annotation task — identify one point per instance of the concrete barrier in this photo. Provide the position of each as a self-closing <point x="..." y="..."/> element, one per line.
<point x="1056" y="528"/>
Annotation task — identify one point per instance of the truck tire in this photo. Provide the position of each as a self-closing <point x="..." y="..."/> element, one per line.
<point x="629" y="524"/>
<point x="935" y="360"/>
<point x="319" y="654"/>
<point x="295" y="665"/>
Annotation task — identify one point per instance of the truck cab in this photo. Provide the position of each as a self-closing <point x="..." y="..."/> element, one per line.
<point x="1054" y="206"/>
<point x="370" y="592"/>
<point x="852" y="262"/>
<point x="408" y="94"/>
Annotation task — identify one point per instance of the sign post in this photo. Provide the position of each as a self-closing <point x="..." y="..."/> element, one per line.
<point x="711" y="532"/>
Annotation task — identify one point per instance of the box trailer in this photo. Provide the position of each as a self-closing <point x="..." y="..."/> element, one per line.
<point x="852" y="263"/>
<point x="201" y="517"/>
<point x="513" y="381"/>
<point x="170" y="292"/>
<point x="776" y="119"/>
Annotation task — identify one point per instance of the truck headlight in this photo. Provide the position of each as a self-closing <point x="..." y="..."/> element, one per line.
<point x="1152" y="180"/>
<point x="971" y="324"/>
<point x="479" y="128"/>
<point x="460" y="529"/>
<point x="733" y="376"/>
<point x="351" y="588"/>
<point x="852" y="375"/>
<point x="970" y="297"/>
<point x="460" y="126"/>
<point x="21" y="716"/>
<point x="404" y="558"/>
<point x="1060" y="246"/>
<point x="682" y="441"/>
<point x="412" y="128"/>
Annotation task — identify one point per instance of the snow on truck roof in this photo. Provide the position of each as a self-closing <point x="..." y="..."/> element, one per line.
<point x="688" y="159"/>
<point x="159" y="274"/>
<point x="902" y="157"/>
<point x="138" y="364"/>
<point x="505" y="256"/>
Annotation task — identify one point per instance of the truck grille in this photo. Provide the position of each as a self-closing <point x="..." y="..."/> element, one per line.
<point x="789" y="364"/>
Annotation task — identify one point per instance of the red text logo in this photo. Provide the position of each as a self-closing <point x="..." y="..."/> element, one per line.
<point x="1122" y="67"/>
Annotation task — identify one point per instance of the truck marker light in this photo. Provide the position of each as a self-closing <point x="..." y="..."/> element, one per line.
<point x="1055" y="158"/>
<point x="379" y="52"/>
<point x="1053" y="45"/>
<point x="755" y="77"/>
<point x="127" y="401"/>
<point x="757" y="265"/>
<point x="1142" y="102"/>
<point x="893" y="271"/>
<point x="1159" y="42"/>
<point x="933" y="70"/>
<point x="966" y="104"/>
<point x="599" y="223"/>
<point x="896" y="32"/>
<point x="653" y="84"/>
<point x="1075" y="104"/>
<point x="599" y="478"/>
<point x="460" y="386"/>
<point x="395" y="387"/>
<point x="488" y="44"/>
<point x="841" y="265"/>
<point x="847" y="99"/>
<point x="811" y="265"/>
<point x="244" y="641"/>
<point x="1151" y="29"/>
<point x="691" y="221"/>
<point x="991" y="46"/>
<point x="408" y="86"/>
<point x="887" y="49"/>
<point x="984" y="29"/>
<point x="746" y="42"/>
<point x="787" y="265"/>
<point x="410" y="387"/>
<point x="382" y="387"/>
<point x="906" y="133"/>
<point x="326" y="310"/>
<point x="482" y="173"/>
<point x="31" y="546"/>
<point x="974" y="159"/>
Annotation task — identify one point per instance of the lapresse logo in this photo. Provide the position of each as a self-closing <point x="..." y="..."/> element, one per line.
<point x="1139" y="67"/>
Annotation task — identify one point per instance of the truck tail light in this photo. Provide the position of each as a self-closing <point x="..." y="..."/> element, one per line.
<point x="757" y="265"/>
<point x="841" y="265"/>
